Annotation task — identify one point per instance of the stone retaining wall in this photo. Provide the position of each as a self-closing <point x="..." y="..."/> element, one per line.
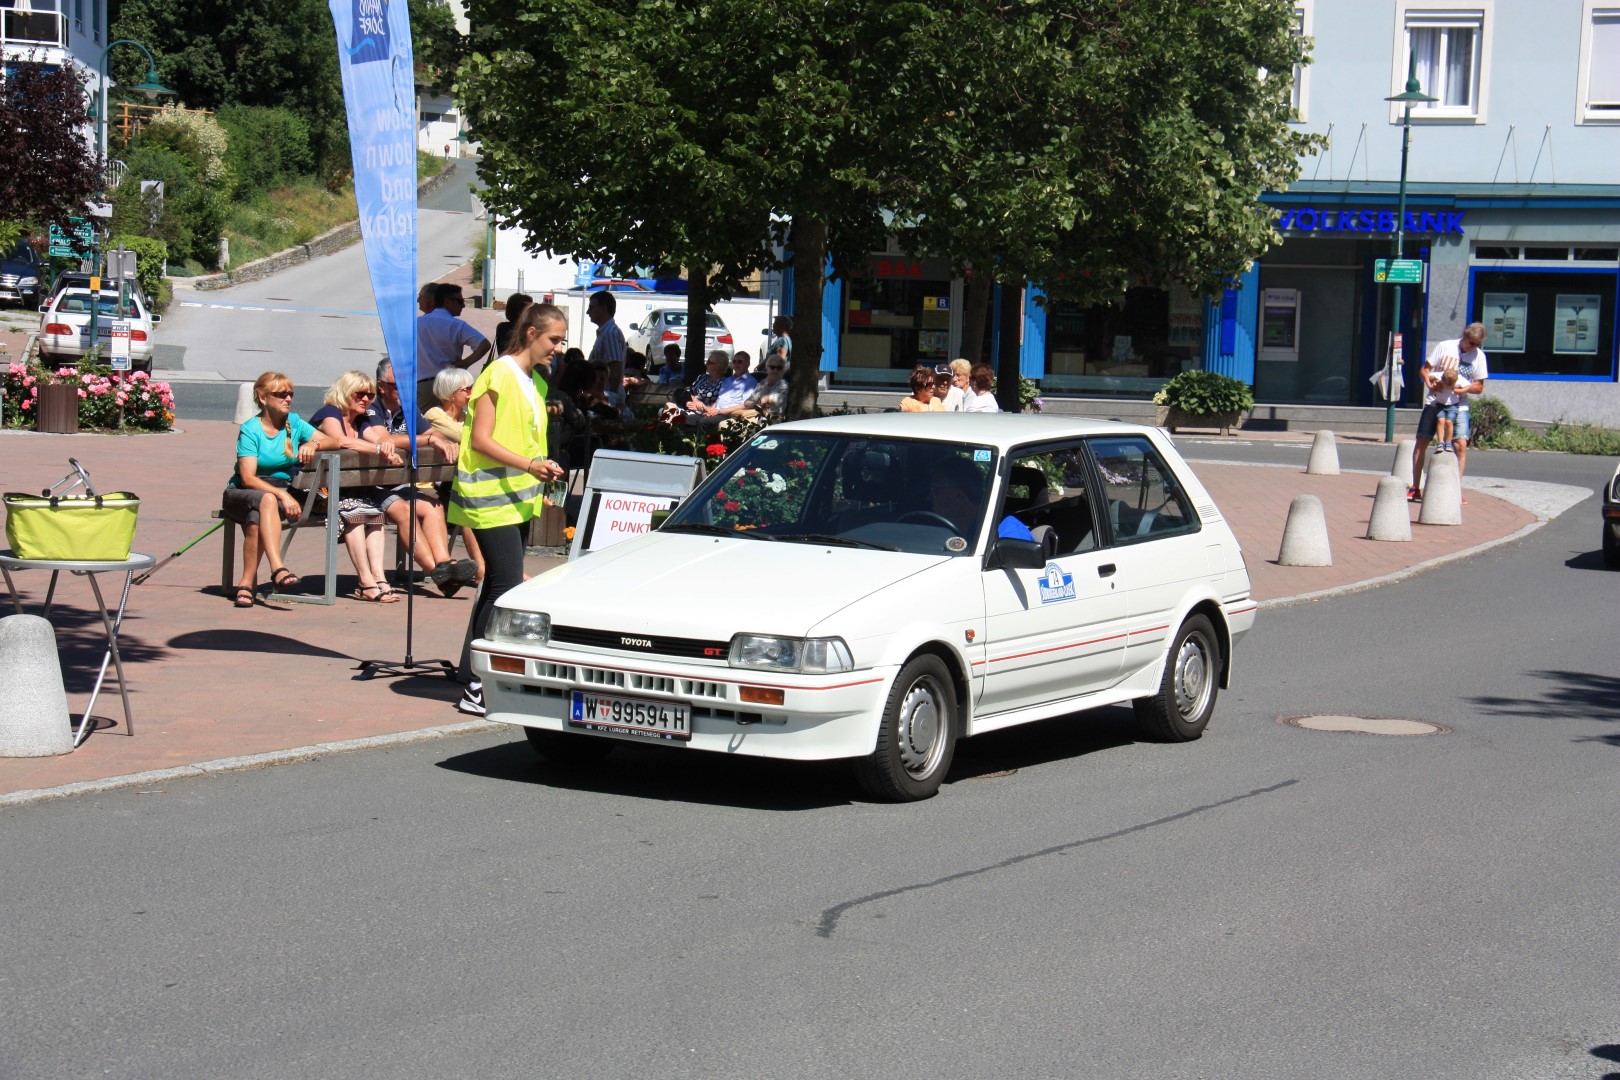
<point x="324" y="244"/>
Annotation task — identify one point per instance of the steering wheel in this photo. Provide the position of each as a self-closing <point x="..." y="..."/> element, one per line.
<point x="929" y="517"/>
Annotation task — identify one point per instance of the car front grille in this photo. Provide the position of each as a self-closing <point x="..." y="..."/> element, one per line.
<point x="641" y="644"/>
<point x="8" y="281"/>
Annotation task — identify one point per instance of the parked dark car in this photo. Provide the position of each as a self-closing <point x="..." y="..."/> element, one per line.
<point x="22" y="274"/>
<point x="1611" y="521"/>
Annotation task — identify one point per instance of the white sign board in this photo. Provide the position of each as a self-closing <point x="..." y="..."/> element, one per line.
<point x="1505" y="320"/>
<point x="624" y="490"/>
<point x="1575" y="323"/>
<point x="118" y="351"/>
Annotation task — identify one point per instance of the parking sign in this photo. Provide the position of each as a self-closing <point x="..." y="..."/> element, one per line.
<point x="118" y="352"/>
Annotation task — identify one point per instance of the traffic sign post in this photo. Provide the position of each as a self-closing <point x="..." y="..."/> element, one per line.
<point x="82" y="240"/>
<point x="1398" y="271"/>
<point x="118" y="351"/>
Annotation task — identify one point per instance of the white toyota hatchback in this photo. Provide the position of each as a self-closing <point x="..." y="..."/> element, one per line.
<point x="877" y="587"/>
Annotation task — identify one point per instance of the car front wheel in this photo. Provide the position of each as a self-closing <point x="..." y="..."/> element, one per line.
<point x="1180" y="711"/>
<point x="918" y="737"/>
<point x="1611" y="547"/>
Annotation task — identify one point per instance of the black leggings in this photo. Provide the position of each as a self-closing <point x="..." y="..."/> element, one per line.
<point x="502" y="547"/>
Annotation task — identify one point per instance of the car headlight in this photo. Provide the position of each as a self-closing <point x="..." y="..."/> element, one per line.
<point x="1614" y="490"/>
<point x="28" y="283"/>
<point x="521" y="627"/>
<point x="812" y="656"/>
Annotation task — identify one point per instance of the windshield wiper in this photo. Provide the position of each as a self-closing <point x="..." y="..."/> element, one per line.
<point x="716" y="530"/>
<point x="836" y="541"/>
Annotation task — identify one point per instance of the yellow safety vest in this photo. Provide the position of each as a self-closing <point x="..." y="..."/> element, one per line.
<point x="487" y="493"/>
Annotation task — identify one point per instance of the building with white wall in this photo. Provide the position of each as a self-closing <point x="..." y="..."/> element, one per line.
<point x="57" y="32"/>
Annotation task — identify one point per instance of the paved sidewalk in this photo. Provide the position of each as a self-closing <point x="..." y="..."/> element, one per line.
<point x="209" y="681"/>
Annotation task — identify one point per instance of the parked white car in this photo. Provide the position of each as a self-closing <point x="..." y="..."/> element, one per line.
<point x="64" y="326"/>
<point x="667" y="326"/>
<point x="877" y="587"/>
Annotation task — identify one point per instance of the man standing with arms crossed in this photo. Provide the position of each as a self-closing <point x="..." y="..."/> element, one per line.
<point x="1469" y="358"/>
<point x="609" y="347"/>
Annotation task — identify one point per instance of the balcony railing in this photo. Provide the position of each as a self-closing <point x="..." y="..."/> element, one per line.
<point x="33" y="29"/>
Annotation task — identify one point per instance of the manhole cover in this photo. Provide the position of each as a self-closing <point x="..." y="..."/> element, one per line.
<point x="1365" y="725"/>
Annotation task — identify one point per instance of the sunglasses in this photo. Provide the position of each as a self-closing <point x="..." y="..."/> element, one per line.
<point x="773" y="367"/>
<point x="365" y="395"/>
<point x="280" y="393"/>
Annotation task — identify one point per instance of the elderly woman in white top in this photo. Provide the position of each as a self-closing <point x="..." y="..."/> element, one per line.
<point x="453" y="388"/>
<point x="981" y="395"/>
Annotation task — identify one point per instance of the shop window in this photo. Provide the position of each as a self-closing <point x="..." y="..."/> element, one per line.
<point x="1127" y="348"/>
<point x="1598" y="254"/>
<point x="1546" y="323"/>
<point x="1547" y="254"/>
<point x="896" y="316"/>
<point x="1494" y="252"/>
<point x="1449" y="45"/>
<point x="1600" y="73"/>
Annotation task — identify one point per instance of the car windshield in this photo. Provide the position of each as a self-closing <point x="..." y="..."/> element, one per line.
<point x="678" y="318"/>
<point x="920" y="496"/>
<point x="79" y="304"/>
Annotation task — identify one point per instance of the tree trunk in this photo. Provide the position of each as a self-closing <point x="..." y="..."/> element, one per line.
<point x="697" y="326"/>
<point x="808" y="242"/>
<point x="976" y="314"/>
<point x="1012" y="325"/>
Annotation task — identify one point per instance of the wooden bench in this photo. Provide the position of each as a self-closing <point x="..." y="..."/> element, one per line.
<point x="337" y="471"/>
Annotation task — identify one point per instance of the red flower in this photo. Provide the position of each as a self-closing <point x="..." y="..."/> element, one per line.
<point x="715" y="450"/>
<point x="720" y="495"/>
<point x="733" y="507"/>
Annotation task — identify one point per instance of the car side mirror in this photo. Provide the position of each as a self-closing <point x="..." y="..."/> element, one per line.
<point x="44" y="307"/>
<point x="1007" y="553"/>
<point x="635" y="328"/>
<point x="155" y="319"/>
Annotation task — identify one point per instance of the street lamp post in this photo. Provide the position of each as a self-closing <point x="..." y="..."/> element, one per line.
<point x="151" y="88"/>
<point x="1412" y="95"/>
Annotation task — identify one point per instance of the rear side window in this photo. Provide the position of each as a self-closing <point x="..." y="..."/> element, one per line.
<point x="1142" y="496"/>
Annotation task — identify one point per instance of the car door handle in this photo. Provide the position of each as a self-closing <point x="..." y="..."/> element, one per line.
<point x="1106" y="570"/>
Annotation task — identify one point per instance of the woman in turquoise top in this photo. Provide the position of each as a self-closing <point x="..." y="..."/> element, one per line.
<point x="269" y="449"/>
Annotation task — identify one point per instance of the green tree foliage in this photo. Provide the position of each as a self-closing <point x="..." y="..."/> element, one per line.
<point x="49" y="170"/>
<point x="267" y="147"/>
<point x="436" y="44"/>
<point x="1084" y="144"/>
<point x="215" y="53"/>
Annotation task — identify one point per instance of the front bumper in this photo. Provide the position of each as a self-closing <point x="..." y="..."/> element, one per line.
<point x="821" y="716"/>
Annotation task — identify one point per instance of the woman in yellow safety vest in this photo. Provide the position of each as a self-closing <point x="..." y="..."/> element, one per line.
<point x="503" y="466"/>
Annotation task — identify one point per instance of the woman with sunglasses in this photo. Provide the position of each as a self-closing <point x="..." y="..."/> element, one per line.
<point x="921" y="398"/>
<point x="343" y="419"/>
<point x="269" y="449"/>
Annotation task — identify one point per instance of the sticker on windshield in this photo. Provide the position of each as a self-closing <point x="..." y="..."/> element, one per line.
<point x="1056" y="586"/>
<point x="765" y="443"/>
<point x="981" y="455"/>
<point x="956" y="543"/>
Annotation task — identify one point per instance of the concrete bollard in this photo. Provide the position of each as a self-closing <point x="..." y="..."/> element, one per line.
<point x="1305" y="535"/>
<point x="246" y="406"/>
<point x="34" y="719"/>
<point x="1391" y="517"/>
<point x="1324" y="455"/>
<point x="1442" y="494"/>
<point x="1402" y="466"/>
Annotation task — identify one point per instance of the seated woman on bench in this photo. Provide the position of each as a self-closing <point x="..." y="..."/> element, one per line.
<point x="269" y="449"/>
<point x="342" y="419"/>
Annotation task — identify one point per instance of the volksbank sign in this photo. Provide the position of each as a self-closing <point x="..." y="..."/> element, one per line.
<point x="1311" y="219"/>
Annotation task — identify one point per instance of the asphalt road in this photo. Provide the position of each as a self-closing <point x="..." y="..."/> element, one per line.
<point x="1265" y="902"/>
<point x="313" y="321"/>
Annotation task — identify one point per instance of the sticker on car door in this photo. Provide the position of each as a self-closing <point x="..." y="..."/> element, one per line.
<point x="1056" y="586"/>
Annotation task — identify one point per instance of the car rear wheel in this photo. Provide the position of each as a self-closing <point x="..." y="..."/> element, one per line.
<point x="568" y="749"/>
<point x="1181" y="709"/>
<point x="918" y="737"/>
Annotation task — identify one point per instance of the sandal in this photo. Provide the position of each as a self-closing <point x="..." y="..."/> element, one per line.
<point x="284" y="579"/>
<point x="243" y="598"/>
<point x="384" y="595"/>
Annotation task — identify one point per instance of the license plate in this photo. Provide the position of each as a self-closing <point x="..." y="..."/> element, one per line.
<point x="666" y="721"/>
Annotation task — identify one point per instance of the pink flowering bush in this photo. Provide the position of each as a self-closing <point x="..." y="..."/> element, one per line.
<point x="146" y="404"/>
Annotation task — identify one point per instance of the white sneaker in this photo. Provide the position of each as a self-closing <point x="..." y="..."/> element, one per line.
<point x="472" y="699"/>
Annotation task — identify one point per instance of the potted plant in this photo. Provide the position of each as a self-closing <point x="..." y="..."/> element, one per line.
<point x="1202" y="399"/>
